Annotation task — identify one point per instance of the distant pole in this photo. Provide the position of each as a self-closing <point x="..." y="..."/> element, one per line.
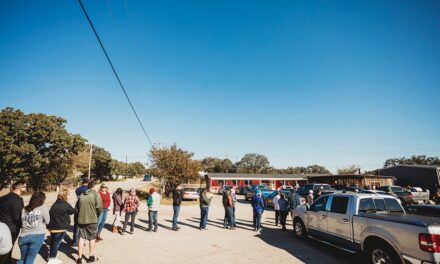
<point x="90" y="159"/>
<point x="126" y="166"/>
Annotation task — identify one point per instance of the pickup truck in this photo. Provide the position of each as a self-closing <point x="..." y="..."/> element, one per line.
<point x="418" y="195"/>
<point x="325" y="189"/>
<point x="404" y="196"/>
<point x="372" y="224"/>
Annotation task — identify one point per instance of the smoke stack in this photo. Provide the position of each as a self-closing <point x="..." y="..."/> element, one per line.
<point x="359" y="171"/>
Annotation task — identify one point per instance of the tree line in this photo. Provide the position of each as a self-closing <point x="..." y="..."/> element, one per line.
<point x="37" y="148"/>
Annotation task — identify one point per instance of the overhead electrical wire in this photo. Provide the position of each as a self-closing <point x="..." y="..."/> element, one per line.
<point x="114" y="71"/>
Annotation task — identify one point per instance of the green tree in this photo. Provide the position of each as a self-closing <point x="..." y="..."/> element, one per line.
<point x="173" y="166"/>
<point x="414" y="160"/>
<point x="101" y="163"/>
<point x="36" y="147"/>
<point x="353" y="169"/>
<point x="253" y="163"/>
<point x="217" y="165"/>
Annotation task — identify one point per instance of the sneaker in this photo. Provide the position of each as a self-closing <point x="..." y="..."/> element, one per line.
<point x="79" y="261"/>
<point x="155" y="230"/>
<point x="92" y="259"/>
<point x="175" y="229"/>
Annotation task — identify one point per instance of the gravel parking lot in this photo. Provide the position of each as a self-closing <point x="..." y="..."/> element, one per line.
<point x="215" y="245"/>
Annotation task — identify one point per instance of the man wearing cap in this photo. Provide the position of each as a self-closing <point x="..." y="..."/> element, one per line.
<point x="153" y="206"/>
<point x="80" y="190"/>
<point x="258" y="209"/>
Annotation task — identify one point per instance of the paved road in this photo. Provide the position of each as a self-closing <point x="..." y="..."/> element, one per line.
<point x="215" y="245"/>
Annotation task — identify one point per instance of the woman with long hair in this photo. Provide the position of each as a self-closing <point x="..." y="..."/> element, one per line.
<point x="60" y="213"/>
<point x="34" y="217"/>
<point x="118" y="206"/>
<point x="105" y="198"/>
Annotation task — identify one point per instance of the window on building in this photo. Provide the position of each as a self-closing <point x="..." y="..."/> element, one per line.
<point x="248" y="182"/>
<point x="234" y="182"/>
<point x="221" y="182"/>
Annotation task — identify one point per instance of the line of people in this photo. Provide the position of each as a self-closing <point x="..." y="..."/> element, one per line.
<point x="29" y="223"/>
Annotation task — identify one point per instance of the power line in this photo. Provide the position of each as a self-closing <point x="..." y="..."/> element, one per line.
<point x="114" y="71"/>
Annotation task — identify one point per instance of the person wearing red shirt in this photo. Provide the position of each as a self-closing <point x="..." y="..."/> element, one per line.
<point x="106" y="200"/>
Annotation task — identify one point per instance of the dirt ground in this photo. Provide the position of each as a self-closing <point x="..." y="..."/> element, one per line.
<point x="215" y="245"/>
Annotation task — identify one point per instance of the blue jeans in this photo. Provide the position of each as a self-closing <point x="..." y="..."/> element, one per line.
<point x="29" y="247"/>
<point x="176" y="210"/>
<point x="203" y="217"/>
<point x="152" y="219"/>
<point x="55" y="241"/>
<point x="101" y="219"/>
<point x="257" y="220"/>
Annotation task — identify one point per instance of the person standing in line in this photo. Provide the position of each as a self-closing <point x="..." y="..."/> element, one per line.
<point x="5" y="242"/>
<point x="204" y="201"/>
<point x="294" y="202"/>
<point x="310" y="197"/>
<point x="234" y="201"/>
<point x="11" y="207"/>
<point x="80" y="190"/>
<point x="35" y="217"/>
<point x="177" y="201"/>
<point x="118" y="206"/>
<point x="230" y="210"/>
<point x="59" y="213"/>
<point x="284" y="210"/>
<point x="276" y="207"/>
<point x="226" y="218"/>
<point x="258" y="209"/>
<point x="153" y="208"/>
<point x="131" y="205"/>
<point x="90" y="207"/>
<point x="437" y="196"/>
<point x="106" y="200"/>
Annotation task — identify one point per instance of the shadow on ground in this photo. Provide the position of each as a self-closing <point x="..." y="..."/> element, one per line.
<point x="306" y="251"/>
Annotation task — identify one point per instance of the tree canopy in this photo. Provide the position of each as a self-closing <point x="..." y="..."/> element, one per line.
<point x="253" y="163"/>
<point x="353" y="169"/>
<point x="414" y="160"/>
<point x="35" y="147"/>
<point x="173" y="166"/>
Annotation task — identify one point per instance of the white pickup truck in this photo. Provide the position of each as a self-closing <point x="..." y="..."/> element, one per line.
<point x="375" y="225"/>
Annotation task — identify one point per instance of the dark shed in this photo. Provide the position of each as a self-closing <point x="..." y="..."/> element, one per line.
<point x="425" y="176"/>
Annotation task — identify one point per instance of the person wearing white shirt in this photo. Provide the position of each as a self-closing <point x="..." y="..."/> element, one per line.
<point x="276" y="207"/>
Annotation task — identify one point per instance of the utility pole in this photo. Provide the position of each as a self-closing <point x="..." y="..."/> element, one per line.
<point x="126" y="166"/>
<point x="90" y="159"/>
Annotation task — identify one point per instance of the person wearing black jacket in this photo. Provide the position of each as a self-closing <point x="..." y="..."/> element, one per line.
<point x="60" y="213"/>
<point x="177" y="201"/>
<point x="11" y="207"/>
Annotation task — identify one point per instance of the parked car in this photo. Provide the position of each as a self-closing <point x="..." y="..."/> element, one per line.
<point x="268" y="200"/>
<point x="325" y="189"/>
<point x="265" y="191"/>
<point x="404" y="196"/>
<point x="190" y="194"/>
<point x="418" y="195"/>
<point x="424" y="209"/>
<point x="223" y="188"/>
<point x="242" y="190"/>
<point x="373" y="224"/>
<point x="147" y="177"/>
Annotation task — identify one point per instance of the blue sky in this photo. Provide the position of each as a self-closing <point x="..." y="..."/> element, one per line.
<point x="302" y="82"/>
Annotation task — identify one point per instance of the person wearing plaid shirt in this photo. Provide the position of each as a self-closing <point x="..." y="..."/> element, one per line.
<point x="131" y="205"/>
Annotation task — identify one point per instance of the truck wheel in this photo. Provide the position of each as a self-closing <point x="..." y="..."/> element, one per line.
<point x="382" y="253"/>
<point x="299" y="229"/>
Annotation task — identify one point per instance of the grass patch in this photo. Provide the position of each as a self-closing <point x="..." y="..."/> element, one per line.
<point x="144" y="192"/>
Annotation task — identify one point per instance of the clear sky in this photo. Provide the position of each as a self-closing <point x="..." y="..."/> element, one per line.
<point x="302" y="82"/>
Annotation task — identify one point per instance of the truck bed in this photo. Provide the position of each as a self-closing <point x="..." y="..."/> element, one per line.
<point x="402" y="218"/>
